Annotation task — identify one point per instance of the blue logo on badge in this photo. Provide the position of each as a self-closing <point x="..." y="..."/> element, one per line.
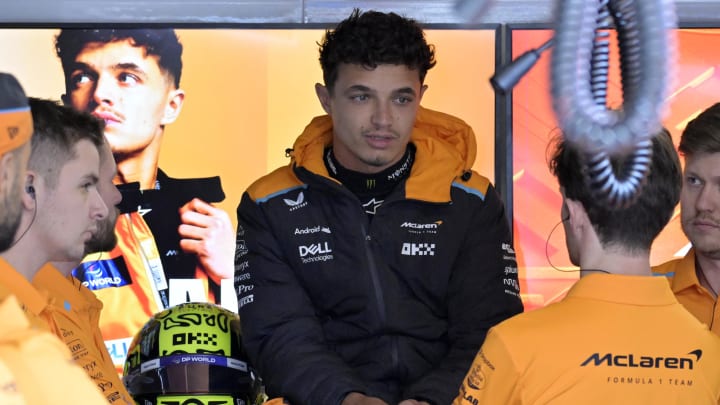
<point x="99" y="274"/>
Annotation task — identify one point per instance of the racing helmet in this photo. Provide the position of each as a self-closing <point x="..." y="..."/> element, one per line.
<point x="191" y="354"/>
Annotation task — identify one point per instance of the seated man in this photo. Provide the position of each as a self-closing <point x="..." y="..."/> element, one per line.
<point x="619" y="336"/>
<point x="371" y="267"/>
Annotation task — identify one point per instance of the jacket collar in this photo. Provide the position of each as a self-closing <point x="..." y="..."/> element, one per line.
<point x="623" y="289"/>
<point x="446" y="149"/>
<point x="684" y="276"/>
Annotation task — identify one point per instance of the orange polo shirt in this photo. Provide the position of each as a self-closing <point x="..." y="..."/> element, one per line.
<point x="612" y="340"/>
<point x="35" y="367"/>
<point x="686" y="286"/>
<point x="77" y="312"/>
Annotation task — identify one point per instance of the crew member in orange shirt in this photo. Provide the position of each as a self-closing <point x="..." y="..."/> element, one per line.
<point x="695" y="278"/>
<point x="619" y="336"/>
<point x="35" y="367"/>
<point x="78" y="310"/>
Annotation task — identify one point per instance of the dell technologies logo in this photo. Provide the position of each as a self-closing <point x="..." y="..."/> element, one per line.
<point x="317" y="252"/>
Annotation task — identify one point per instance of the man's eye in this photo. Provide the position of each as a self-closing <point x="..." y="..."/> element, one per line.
<point x="128" y="78"/>
<point x="693" y="181"/>
<point x="404" y="100"/>
<point x="359" y="97"/>
<point x="82" y="78"/>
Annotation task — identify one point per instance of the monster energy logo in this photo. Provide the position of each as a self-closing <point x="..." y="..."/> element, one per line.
<point x="370" y="183"/>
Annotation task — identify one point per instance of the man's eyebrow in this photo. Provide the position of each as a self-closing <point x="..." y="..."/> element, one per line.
<point x="359" y="87"/>
<point x="91" y="177"/>
<point x="80" y="65"/>
<point x="118" y="66"/>
<point x="405" y="90"/>
<point x="128" y="66"/>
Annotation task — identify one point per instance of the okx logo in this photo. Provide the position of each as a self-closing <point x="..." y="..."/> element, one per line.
<point x="418" y="249"/>
<point x="317" y="252"/>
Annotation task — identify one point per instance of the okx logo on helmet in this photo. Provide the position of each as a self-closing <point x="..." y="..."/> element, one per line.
<point x="191" y="354"/>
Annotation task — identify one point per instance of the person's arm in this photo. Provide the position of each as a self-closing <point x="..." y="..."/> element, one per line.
<point x="483" y="291"/>
<point x="493" y="377"/>
<point x="281" y="332"/>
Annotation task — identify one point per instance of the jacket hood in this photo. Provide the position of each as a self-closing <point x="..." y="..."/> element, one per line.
<point x="446" y="149"/>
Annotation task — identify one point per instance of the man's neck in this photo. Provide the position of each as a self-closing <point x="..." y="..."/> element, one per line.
<point x="65" y="268"/>
<point x="708" y="272"/>
<point x="25" y="261"/>
<point x="140" y="166"/>
<point x="616" y="263"/>
<point x="143" y="171"/>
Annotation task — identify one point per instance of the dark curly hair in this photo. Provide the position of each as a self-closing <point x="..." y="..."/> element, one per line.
<point x="373" y="38"/>
<point x="161" y="42"/>
<point x="633" y="228"/>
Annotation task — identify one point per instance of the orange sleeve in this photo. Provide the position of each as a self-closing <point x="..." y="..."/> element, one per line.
<point x="36" y="366"/>
<point x="493" y="377"/>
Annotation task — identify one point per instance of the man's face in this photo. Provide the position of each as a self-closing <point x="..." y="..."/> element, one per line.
<point x="700" y="203"/>
<point x="11" y="208"/>
<point x="373" y="113"/>
<point x="105" y="239"/>
<point x="118" y="83"/>
<point x="67" y="215"/>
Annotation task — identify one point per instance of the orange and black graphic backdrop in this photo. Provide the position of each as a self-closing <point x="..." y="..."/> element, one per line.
<point x="536" y="204"/>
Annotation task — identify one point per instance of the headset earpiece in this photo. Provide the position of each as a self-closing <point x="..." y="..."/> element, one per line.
<point x="30" y="190"/>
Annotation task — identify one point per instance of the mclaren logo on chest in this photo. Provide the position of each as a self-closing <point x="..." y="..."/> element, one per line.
<point x="422" y="228"/>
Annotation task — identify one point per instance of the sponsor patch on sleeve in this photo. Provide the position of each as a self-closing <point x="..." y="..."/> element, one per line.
<point x="106" y="273"/>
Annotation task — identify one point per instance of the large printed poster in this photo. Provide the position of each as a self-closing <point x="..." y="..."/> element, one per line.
<point x="223" y="117"/>
<point x="545" y="269"/>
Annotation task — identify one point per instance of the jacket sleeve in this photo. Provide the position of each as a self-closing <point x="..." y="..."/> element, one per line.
<point x="483" y="291"/>
<point x="493" y="377"/>
<point x="281" y="332"/>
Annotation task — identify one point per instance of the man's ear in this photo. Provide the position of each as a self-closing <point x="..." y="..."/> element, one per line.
<point x="173" y="106"/>
<point x="577" y="216"/>
<point x="323" y="94"/>
<point x="423" y="88"/>
<point x="29" y="193"/>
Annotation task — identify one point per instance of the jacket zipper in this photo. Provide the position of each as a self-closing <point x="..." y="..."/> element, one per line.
<point x="379" y="296"/>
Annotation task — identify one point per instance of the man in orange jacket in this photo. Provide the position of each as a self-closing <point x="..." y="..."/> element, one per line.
<point x="28" y="353"/>
<point x="77" y="309"/>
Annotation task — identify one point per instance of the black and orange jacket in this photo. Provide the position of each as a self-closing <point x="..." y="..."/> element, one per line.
<point x="331" y="303"/>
